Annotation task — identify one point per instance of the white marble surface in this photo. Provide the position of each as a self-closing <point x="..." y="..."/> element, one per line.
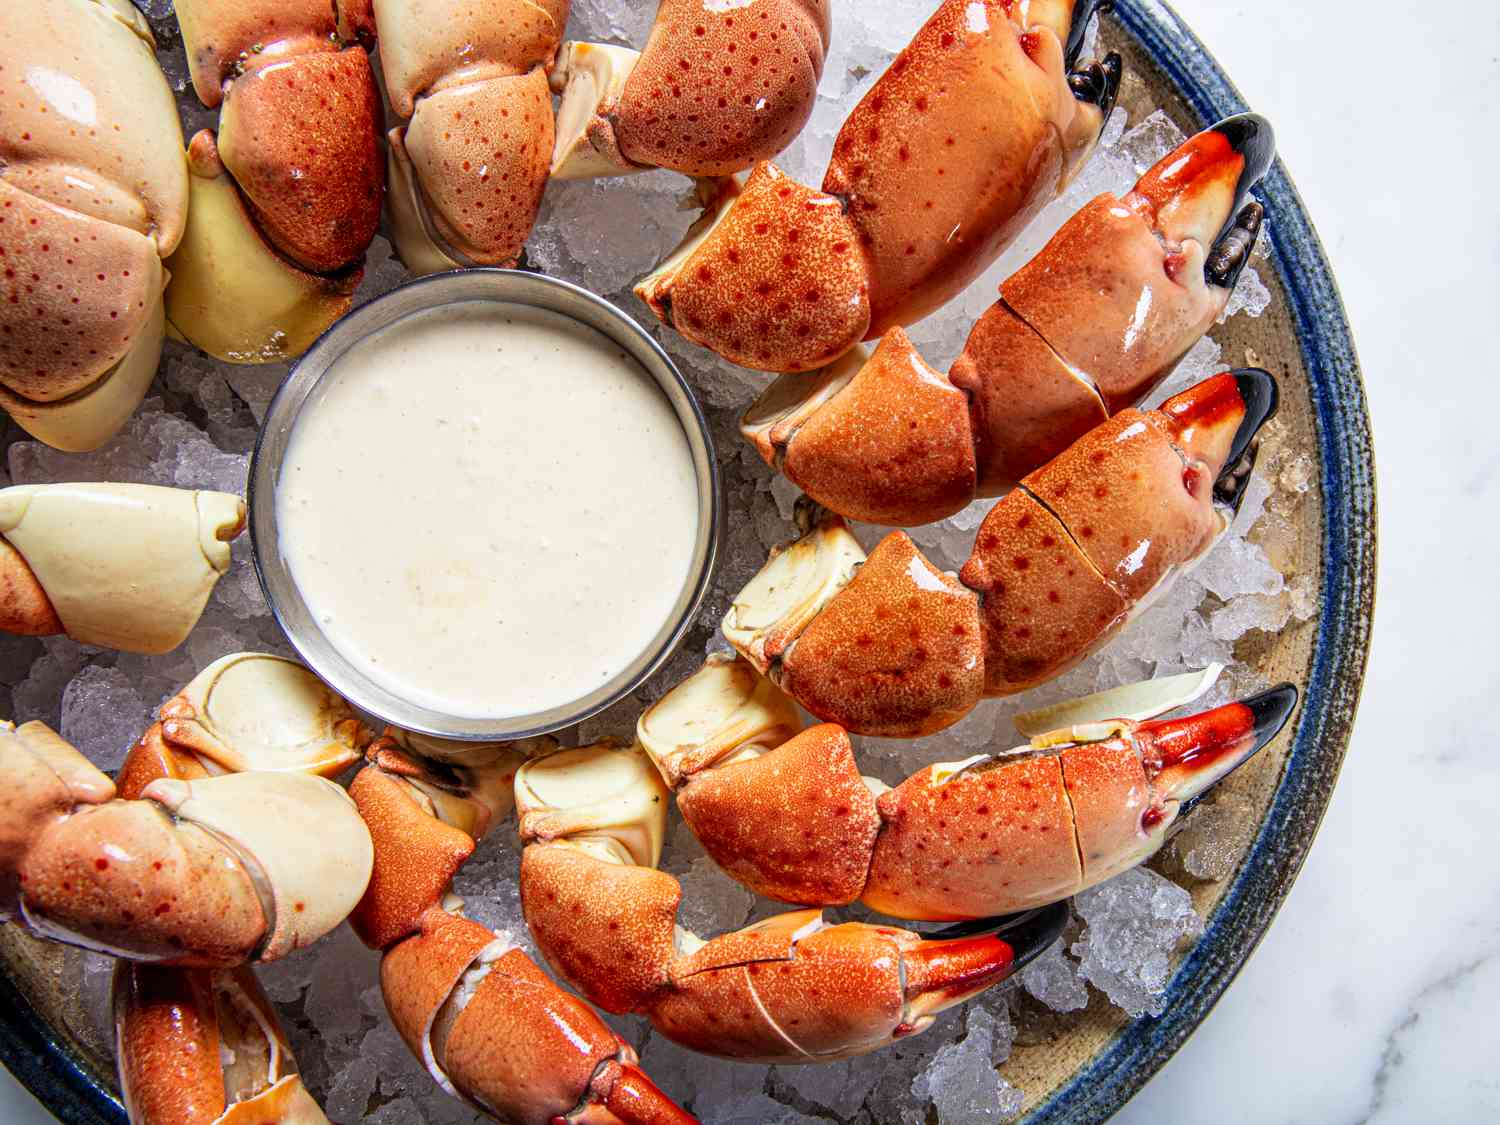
<point x="1371" y="998"/>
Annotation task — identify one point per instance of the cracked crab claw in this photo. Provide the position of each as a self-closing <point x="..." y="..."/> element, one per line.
<point x="1002" y="833"/>
<point x="789" y="989"/>
<point x="231" y="293"/>
<point x="491" y="1028"/>
<point x="201" y="1046"/>
<point x="208" y="872"/>
<point x="127" y="566"/>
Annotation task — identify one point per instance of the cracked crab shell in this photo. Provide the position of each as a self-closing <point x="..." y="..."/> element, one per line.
<point x="894" y="446"/>
<point x="897" y="654"/>
<point x="796" y="824"/>
<point x="303" y="833"/>
<point x="126" y="566"/>
<point x="995" y="838"/>
<point x="1111" y="300"/>
<point x="778" y="284"/>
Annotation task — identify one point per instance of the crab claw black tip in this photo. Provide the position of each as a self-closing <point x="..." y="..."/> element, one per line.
<point x="1252" y="136"/>
<point x="1231" y="251"/>
<point x="1098" y="83"/>
<point x="1262" y="397"/>
<point x="1271" y="710"/>
<point x="1083" y="12"/>
<point x="1028" y="934"/>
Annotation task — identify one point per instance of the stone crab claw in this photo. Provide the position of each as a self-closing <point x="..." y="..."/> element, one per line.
<point x="493" y="1030"/>
<point x="127" y="566"/>
<point x="212" y="872"/>
<point x="1041" y="823"/>
<point x="988" y="836"/>
<point x="287" y="197"/>
<point x="892" y="647"/>
<point x="1085" y="329"/>
<point x="789" y="989"/>
<point x="201" y="1046"/>
<point x="93" y="210"/>
<point x="203" y="871"/>
<point x="751" y="69"/>
<point x="970" y="132"/>
<point x="490" y="1027"/>
<point x="469" y="162"/>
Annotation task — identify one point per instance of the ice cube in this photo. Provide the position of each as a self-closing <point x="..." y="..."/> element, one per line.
<point x="102" y="715"/>
<point x="1133" y="926"/>
<point x="1053" y="979"/>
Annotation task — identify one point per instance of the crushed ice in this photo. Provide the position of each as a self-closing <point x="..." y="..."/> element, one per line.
<point x="197" y="430"/>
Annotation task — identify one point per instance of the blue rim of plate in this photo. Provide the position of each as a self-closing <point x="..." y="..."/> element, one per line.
<point x="37" y="1057"/>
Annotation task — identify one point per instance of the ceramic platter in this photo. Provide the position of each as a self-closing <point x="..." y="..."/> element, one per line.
<point x="1083" y="1066"/>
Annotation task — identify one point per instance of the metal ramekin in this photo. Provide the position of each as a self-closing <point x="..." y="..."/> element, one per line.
<point x="513" y="287"/>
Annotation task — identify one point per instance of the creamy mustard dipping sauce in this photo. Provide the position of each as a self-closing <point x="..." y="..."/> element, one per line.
<point x="490" y="509"/>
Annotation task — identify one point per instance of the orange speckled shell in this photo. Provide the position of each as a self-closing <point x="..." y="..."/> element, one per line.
<point x="715" y="90"/>
<point x="525" y="1047"/>
<point x="950" y="154"/>
<point x="1027" y="407"/>
<point x="896" y="654"/>
<point x="482" y="152"/>
<point x="993" y="840"/>
<point x="124" y="876"/>
<point x="168" y="1037"/>
<point x="780" y="285"/>
<point x="606" y="928"/>
<point x="78" y="291"/>
<point x="1086" y="291"/>
<point x="1045" y="606"/>
<point x="1127" y="497"/>
<point x="216" y="34"/>
<point x="25" y="608"/>
<point x="416" y="856"/>
<point x="835" y="992"/>
<point x="431" y="45"/>
<point x="418" y="974"/>
<point x="893" y="447"/>
<point x="299" y="135"/>
<point x="1110" y="792"/>
<point x="796" y="824"/>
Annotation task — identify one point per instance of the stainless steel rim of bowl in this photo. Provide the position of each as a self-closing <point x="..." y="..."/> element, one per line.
<point x="501" y="286"/>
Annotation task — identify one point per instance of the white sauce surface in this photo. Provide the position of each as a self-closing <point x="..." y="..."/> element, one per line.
<point x="490" y="508"/>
